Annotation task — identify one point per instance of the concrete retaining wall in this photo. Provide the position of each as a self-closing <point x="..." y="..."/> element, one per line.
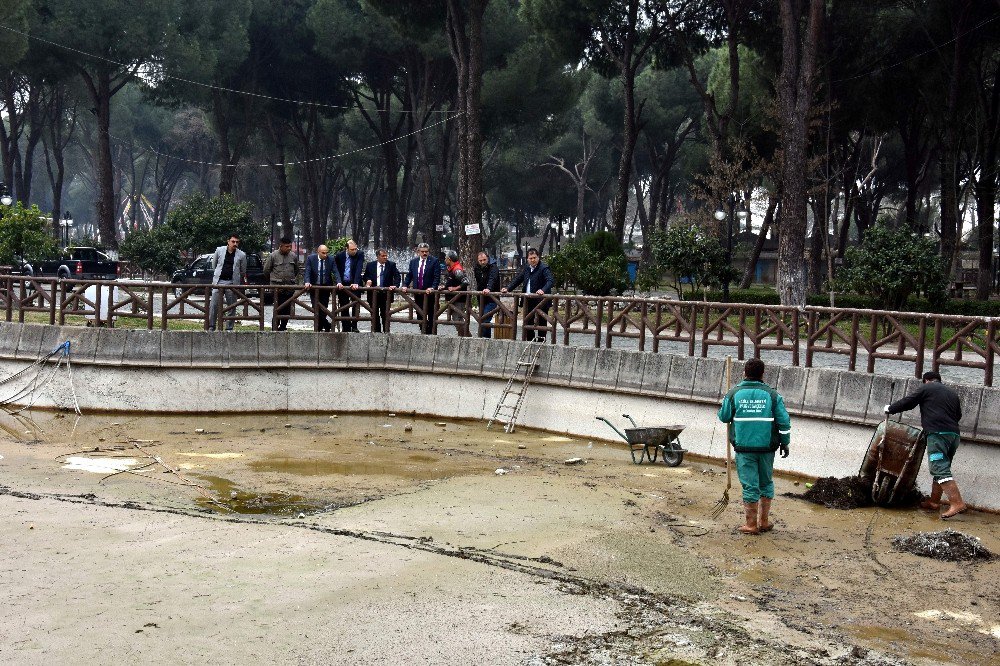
<point x="172" y="371"/>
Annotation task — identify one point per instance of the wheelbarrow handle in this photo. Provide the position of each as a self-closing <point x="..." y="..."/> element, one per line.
<point x="634" y="424"/>
<point x="612" y="426"/>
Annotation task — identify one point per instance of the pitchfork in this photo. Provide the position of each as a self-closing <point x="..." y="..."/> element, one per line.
<point x="720" y="506"/>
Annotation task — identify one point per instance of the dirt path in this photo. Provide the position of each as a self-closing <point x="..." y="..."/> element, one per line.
<point x="411" y="547"/>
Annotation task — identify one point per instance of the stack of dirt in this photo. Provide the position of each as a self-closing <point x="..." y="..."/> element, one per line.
<point x="851" y="492"/>
<point x="948" y="545"/>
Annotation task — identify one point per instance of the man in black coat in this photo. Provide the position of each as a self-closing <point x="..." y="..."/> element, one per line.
<point x="940" y="412"/>
<point x="487" y="280"/>
<point x="537" y="280"/>
<point x="384" y="275"/>
<point x="351" y="264"/>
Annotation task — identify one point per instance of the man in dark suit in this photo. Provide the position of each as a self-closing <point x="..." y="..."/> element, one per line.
<point x="538" y="281"/>
<point x="383" y="274"/>
<point x="424" y="277"/>
<point x="321" y="271"/>
<point x="351" y="264"/>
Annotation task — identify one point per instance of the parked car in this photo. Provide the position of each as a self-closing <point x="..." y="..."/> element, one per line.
<point x="200" y="271"/>
<point x="78" y="263"/>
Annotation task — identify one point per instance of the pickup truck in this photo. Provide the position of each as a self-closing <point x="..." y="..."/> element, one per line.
<point x="200" y="271"/>
<point x="77" y="263"/>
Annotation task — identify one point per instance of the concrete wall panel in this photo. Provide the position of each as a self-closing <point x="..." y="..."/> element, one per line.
<point x="821" y="390"/>
<point x="176" y="348"/>
<point x="331" y="350"/>
<point x="709" y="377"/>
<point x="422" y="351"/>
<point x="272" y="349"/>
<point x="682" y="373"/>
<point x="110" y="346"/>
<point x="557" y="364"/>
<point x="584" y="366"/>
<point x="471" y="353"/>
<point x="656" y="373"/>
<point x="792" y="387"/>
<point x="853" y="394"/>
<point x="884" y="391"/>
<point x="29" y="343"/>
<point x="446" y="354"/>
<point x="83" y="342"/>
<point x="629" y="376"/>
<point x="143" y="347"/>
<point x="208" y="351"/>
<point x="607" y="368"/>
<point x="988" y="423"/>
<point x="303" y="350"/>
<point x="397" y="351"/>
<point x="495" y="358"/>
<point x="377" y="344"/>
<point x="10" y="334"/>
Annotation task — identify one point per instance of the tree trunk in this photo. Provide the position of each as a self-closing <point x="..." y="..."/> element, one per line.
<point x="106" y="204"/>
<point x="794" y="102"/>
<point x="758" y="246"/>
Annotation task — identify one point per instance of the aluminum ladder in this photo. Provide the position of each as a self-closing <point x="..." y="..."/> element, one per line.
<point x="526" y="364"/>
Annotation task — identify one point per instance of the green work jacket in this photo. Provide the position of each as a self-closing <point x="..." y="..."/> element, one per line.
<point x="758" y="418"/>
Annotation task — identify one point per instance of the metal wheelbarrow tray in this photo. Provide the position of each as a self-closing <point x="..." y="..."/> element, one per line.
<point x="893" y="461"/>
<point x="646" y="443"/>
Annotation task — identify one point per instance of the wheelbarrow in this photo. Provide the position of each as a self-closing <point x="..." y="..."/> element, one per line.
<point x="893" y="460"/>
<point x="648" y="443"/>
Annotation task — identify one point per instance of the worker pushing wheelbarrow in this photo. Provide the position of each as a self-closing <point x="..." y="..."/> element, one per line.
<point x="650" y="442"/>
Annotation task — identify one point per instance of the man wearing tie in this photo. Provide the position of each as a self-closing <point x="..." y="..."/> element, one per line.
<point x="424" y="277"/>
<point x="350" y="263"/>
<point x="383" y="274"/>
<point x="321" y="271"/>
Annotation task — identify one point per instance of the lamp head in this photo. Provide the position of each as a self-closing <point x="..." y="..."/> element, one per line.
<point x="720" y="215"/>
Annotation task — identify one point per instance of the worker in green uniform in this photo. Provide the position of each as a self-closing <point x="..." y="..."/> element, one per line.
<point x="759" y="426"/>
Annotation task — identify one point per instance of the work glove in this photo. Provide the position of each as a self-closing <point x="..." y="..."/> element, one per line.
<point x="886" y="409"/>
<point x="784" y="450"/>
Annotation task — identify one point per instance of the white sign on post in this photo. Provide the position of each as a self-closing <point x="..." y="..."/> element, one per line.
<point x="439" y="227"/>
<point x="472" y="229"/>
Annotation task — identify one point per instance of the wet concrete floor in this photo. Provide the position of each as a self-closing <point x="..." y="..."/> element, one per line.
<point x="431" y="520"/>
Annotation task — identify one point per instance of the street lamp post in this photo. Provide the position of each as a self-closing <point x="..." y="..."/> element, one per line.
<point x="720" y="215"/>
<point x="66" y="223"/>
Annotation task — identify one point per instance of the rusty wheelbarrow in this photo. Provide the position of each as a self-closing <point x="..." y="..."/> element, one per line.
<point x="647" y="443"/>
<point x="893" y="461"/>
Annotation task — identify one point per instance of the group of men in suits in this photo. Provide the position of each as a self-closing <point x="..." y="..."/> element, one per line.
<point x="348" y="271"/>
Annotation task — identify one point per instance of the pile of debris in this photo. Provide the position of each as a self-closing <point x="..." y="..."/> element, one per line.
<point x="948" y="545"/>
<point x="851" y="492"/>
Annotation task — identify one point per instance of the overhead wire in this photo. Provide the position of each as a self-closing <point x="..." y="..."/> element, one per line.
<point x="202" y="84"/>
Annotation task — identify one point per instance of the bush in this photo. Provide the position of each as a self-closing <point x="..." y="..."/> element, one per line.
<point x="890" y="265"/>
<point x="594" y="265"/>
<point x="199" y="224"/>
<point x="688" y="252"/>
<point x="23" y="235"/>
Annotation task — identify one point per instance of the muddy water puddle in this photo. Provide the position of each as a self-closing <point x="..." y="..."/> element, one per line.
<point x="288" y="464"/>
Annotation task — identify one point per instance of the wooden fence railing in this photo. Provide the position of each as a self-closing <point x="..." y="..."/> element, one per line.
<point x="788" y="336"/>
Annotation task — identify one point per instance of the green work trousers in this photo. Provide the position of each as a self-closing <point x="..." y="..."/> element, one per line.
<point x="755" y="472"/>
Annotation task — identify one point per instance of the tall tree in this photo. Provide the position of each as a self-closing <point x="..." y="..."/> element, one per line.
<point x="107" y="43"/>
<point x="801" y="31"/>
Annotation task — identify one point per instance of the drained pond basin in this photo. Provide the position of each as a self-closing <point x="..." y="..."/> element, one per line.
<point x="378" y="538"/>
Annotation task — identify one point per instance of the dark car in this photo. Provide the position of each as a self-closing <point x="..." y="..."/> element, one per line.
<point x="200" y="271"/>
<point x="79" y="263"/>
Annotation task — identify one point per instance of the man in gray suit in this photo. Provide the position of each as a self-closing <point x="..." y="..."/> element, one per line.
<point x="230" y="268"/>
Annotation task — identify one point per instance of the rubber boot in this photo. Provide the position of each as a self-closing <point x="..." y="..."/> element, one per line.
<point x="763" y="524"/>
<point x="933" y="503"/>
<point x="950" y="488"/>
<point x="750" y="509"/>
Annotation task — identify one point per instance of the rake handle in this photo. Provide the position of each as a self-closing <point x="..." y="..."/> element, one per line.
<point x="729" y="446"/>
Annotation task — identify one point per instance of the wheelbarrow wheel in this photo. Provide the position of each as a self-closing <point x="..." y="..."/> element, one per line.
<point x="882" y="490"/>
<point x="672" y="456"/>
<point x="637" y="449"/>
